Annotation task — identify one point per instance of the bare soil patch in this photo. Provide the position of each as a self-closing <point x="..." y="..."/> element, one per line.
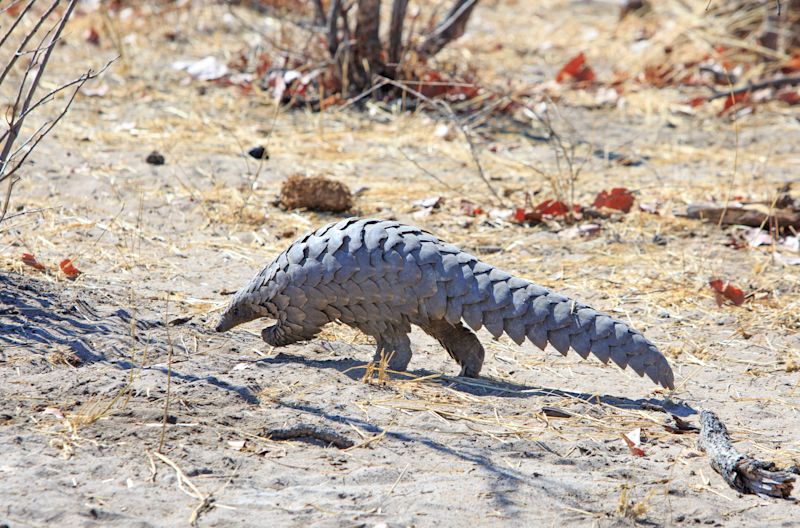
<point x="85" y="363"/>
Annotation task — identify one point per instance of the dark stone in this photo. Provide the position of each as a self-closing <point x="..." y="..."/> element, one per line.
<point x="155" y="158"/>
<point x="258" y="152"/>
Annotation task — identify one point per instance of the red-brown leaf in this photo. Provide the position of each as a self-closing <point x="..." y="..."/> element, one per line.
<point x="734" y="99"/>
<point x="635" y="450"/>
<point x="697" y="101"/>
<point x="725" y="290"/>
<point x="792" y="65"/>
<point x="522" y="216"/>
<point x="552" y="208"/>
<point x="619" y="199"/>
<point x="577" y="70"/>
<point x="31" y="261"/>
<point x="69" y="269"/>
<point x="791" y="97"/>
<point x="470" y="209"/>
<point x="92" y="36"/>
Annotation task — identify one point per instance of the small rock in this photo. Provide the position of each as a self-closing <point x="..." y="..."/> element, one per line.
<point x="659" y="240"/>
<point x="259" y="152"/>
<point x="663" y="314"/>
<point x="445" y="131"/>
<point x="155" y="158"/>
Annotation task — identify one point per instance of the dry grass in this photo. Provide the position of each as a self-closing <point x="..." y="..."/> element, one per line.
<point x="205" y="222"/>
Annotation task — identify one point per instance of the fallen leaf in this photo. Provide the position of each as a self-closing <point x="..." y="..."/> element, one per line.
<point x="435" y="84"/>
<point x="445" y="131"/>
<point x="331" y="100"/>
<point x="522" y="215"/>
<point x="237" y="445"/>
<point x="555" y="412"/>
<point x="792" y="243"/>
<point x="577" y="70"/>
<point x="619" y="199"/>
<point x="757" y="237"/>
<point x="651" y="208"/>
<point x="789" y="261"/>
<point x="31" y="261"/>
<point x="92" y="36"/>
<point x="697" y="101"/>
<point x="633" y="440"/>
<point x="470" y="209"/>
<point x="791" y="97"/>
<point x="733" y="100"/>
<point x="54" y="411"/>
<point x="205" y="69"/>
<point x="552" y="207"/>
<point x="69" y="269"/>
<point x="583" y="230"/>
<point x="726" y="290"/>
<point x="100" y="91"/>
<point x="792" y="65"/>
<point x="432" y="202"/>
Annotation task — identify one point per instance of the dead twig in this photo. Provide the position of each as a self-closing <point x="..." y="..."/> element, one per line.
<point x="426" y="171"/>
<point x="169" y="379"/>
<point x="313" y="432"/>
<point x="777" y="82"/>
<point x="742" y="473"/>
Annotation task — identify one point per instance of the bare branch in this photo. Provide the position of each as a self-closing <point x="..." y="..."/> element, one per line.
<point x="319" y="12"/>
<point x="333" y="32"/>
<point x="40" y="58"/>
<point x="28" y="37"/>
<point x="448" y="112"/>
<point x="49" y="95"/>
<point x="16" y="20"/>
<point x="449" y="29"/>
<point x="399" y="8"/>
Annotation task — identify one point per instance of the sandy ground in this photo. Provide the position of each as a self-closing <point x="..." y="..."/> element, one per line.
<point x="85" y="365"/>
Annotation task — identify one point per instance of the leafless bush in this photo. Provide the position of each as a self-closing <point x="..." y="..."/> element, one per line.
<point x="37" y="34"/>
<point x="361" y="55"/>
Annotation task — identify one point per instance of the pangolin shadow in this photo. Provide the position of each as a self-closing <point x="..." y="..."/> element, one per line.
<point x="502" y="475"/>
<point x="487" y="386"/>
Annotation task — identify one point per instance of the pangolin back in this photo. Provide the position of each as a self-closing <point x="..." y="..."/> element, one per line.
<point x="380" y="275"/>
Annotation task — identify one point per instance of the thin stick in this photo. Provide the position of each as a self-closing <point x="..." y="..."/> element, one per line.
<point x="476" y="158"/>
<point x="445" y="109"/>
<point x="789" y="80"/>
<point x="169" y="378"/>
<point x="425" y="171"/>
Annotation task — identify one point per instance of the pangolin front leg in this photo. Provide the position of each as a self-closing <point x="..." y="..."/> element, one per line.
<point x="461" y="343"/>
<point x="379" y="275"/>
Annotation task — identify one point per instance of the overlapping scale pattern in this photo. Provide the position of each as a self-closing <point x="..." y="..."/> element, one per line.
<point x="381" y="276"/>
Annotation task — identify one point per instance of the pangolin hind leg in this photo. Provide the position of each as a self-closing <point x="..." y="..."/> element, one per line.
<point x="460" y="343"/>
<point x="395" y="345"/>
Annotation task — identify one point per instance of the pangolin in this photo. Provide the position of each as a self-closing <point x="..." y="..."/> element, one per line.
<point x="382" y="276"/>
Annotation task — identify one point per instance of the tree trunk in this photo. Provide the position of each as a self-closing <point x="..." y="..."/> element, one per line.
<point x="396" y="32"/>
<point x="367" y="57"/>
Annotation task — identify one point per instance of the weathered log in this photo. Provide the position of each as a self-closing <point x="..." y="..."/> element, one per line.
<point x="744" y="216"/>
<point x="742" y="473"/>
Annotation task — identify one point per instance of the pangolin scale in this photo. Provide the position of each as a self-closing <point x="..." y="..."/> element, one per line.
<point x="382" y="276"/>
